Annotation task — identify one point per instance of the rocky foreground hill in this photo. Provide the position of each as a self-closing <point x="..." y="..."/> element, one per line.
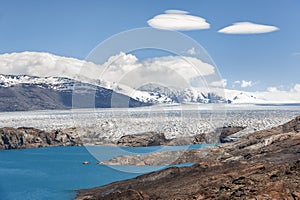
<point x="262" y="165"/>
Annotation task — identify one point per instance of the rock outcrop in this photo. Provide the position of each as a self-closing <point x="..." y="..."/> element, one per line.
<point x="18" y="138"/>
<point x="226" y="132"/>
<point x="159" y="139"/>
<point x="26" y="137"/>
<point x="142" y="140"/>
<point x="262" y="165"/>
<point x="158" y="158"/>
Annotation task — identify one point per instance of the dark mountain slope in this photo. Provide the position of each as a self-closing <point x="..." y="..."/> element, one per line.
<point x="24" y="93"/>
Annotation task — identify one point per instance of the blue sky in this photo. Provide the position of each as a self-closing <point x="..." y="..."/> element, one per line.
<point x="74" y="28"/>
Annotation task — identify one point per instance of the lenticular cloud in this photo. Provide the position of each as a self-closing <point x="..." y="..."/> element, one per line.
<point x="178" y="20"/>
<point x="248" y="28"/>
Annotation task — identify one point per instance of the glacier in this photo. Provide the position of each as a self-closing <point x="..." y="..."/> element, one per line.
<point x="175" y="121"/>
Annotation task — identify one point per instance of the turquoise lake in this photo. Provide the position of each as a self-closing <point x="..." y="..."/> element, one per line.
<point x="55" y="172"/>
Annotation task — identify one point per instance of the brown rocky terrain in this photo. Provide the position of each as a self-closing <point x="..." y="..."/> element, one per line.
<point x="262" y="165"/>
<point x="26" y="137"/>
<point x="159" y="139"/>
<point x="226" y="132"/>
<point x="18" y="138"/>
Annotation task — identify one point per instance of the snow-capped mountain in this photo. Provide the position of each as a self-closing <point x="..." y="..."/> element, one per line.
<point x="56" y="83"/>
<point x="207" y="95"/>
<point x="187" y="95"/>
<point x="241" y="97"/>
<point x="59" y="90"/>
<point x="139" y="95"/>
<point x="149" y="93"/>
<point x="23" y="92"/>
<point x="49" y="82"/>
<point x="62" y="84"/>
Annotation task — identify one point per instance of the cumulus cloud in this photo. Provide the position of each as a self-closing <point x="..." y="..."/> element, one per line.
<point x="272" y="89"/>
<point x="122" y="67"/>
<point x="236" y="83"/>
<point x="246" y="84"/>
<point x="168" y="70"/>
<point x="43" y="64"/>
<point x="296" y="88"/>
<point x="243" y="83"/>
<point x="191" y="51"/>
<point x="275" y="95"/>
<point x="221" y="83"/>
<point x="178" y="20"/>
<point x="248" y="28"/>
<point x="272" y="95"/>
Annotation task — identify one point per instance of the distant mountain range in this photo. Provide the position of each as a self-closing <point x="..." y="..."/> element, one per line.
<point x="23" y="92"/>
<point x="46" y="90"/>
<point x="188" y="95"/>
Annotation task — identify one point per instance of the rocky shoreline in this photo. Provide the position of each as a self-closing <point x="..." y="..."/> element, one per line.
<point x="25" y="137"/>
<point x="261" y="165"/>
<point x="159" y="139"/>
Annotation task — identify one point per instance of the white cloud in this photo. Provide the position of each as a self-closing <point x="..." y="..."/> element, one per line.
<point x="176" y="12"/>
<point x="243" y="83"/>
<point x="272" y="89"/>
<point x="191" y="51"/>
<point x="178" y="20"/>
<point x="273" y="94"/>
<point x="126" y="68"/>
<point x="296" y="88"/>
<point x="167" y="70"/>
<point x="221" y="83"/>
<point x="43" y="64"/>
<point x="122" y="67"/>
<point x="246" y="84"/>
<point x="277" y="95"/>
<point x="248" y="28"/>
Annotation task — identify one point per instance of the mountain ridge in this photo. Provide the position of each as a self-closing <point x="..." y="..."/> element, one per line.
<point x="50" y="77"/>
<point x="25" y="93"/>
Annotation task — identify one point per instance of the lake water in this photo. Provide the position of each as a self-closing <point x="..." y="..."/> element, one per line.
<point x="54" y="172"/>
